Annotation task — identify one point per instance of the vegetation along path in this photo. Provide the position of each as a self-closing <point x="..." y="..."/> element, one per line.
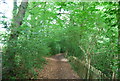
<point x="57" y="68"/>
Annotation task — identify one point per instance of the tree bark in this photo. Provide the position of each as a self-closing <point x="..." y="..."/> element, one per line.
<point x="118" y="16"/>
<point x="17" y="20"/>
<point x="15" y="8"/>
<point x="9" y="58"/>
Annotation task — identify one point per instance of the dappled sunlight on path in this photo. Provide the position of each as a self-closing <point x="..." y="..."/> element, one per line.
<point x="57" y="68"/>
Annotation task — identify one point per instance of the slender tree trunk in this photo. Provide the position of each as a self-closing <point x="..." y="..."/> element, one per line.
<point x="15" y="8"/>
<point x="17" y="21"/>
<point x="11" y="44"/>
<point x="118" y="16"/>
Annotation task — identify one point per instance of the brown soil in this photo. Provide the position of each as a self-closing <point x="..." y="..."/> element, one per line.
<point x="57" y="68"/>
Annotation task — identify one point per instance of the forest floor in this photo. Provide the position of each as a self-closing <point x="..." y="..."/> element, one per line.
<point x="57" y="68"/>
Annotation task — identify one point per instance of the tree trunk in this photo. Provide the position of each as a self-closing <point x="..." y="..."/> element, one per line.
<point x="9" y="58"/>
<point x="15" y="8"/>
<point x="118" y="16"/>
<point x="17" y="20"/>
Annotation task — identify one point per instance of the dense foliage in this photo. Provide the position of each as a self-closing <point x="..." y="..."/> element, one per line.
<point x="84" y="30"/>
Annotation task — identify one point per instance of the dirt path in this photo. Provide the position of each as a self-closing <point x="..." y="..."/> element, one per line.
<point x="57" y="68"/>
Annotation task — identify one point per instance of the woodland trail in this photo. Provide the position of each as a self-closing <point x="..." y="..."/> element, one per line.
<point x="57" y="68"/>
